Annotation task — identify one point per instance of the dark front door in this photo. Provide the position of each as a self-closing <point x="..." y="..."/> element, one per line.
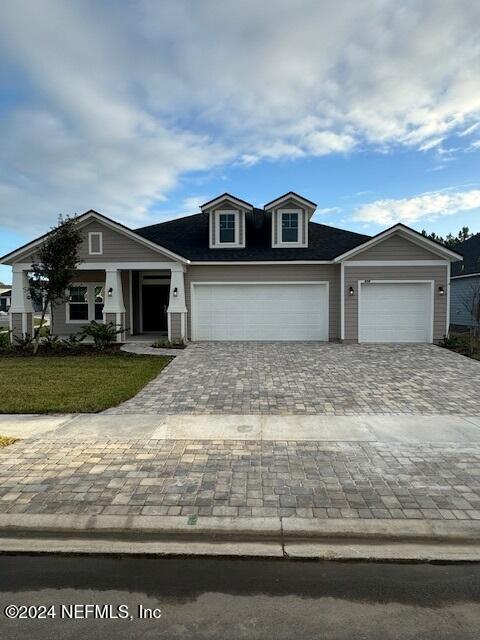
<point x="154" y="307"/>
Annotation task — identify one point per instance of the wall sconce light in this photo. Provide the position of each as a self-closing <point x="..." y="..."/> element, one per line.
<point x="110" y="292"/>
<point x="175" y="292"/>
<point x="350" y="291"/>
<point x="441" y="291"/>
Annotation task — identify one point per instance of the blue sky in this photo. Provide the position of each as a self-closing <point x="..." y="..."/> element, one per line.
<point x="142" y="110"/>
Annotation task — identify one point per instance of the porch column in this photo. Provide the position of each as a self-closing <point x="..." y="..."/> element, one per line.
<point x="113" y="306"/>
<point x="177" y="309"/>
<point x="21" y="309"/>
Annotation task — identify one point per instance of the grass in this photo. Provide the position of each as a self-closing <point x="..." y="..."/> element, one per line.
<point x="75" y="383"/>
<point x="6" y="440"/>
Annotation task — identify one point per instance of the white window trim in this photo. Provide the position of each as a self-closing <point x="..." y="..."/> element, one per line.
<point x="276" y="244"/>
<point x="220" y="245"/>
<point x="199" y="283"/>
<point x="432" y="301"/>
<point x="90" y="302"/>
<point x="90" y="236"/>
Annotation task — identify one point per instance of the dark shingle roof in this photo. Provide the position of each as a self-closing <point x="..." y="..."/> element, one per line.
<point x="188" y="237"/>
<point x="470" y="249"/>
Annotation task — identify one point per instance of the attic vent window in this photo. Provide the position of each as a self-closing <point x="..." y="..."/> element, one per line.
<point x="95" y="243"/>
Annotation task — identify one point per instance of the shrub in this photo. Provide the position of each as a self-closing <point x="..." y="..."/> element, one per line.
<point x="51" y="343"/>
<point x="5" y="340"/>
<point x="163" y="343"/>
<point x="73" y="342"/>
<point x="24" y="344"/>
<point x="103" y="335"/>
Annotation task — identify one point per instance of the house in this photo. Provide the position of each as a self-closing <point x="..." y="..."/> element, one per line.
<point x="465" y="280"/>
<point x="235" y="272"/>
<point x="5" y="297"/>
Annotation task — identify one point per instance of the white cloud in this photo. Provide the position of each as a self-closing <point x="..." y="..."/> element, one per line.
<point x="424" y="206"/>
<point x="119" y="101"/>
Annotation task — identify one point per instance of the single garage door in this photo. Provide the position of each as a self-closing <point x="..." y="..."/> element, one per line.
<point x="395" y="312"/>
<point x="264" y="311"/>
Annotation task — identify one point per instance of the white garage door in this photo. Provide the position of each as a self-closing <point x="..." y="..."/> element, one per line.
<point x="293" y="311"/>
<point x="395" y="312"/>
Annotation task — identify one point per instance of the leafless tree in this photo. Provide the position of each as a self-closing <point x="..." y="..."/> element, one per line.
<point x="471" y="303"/>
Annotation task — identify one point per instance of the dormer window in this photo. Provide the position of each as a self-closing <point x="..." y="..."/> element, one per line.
<point x="290" y="215"/>
<point x="227" y="221"/>
<point x="227" y="227"/>
<point x="289" y="226"/>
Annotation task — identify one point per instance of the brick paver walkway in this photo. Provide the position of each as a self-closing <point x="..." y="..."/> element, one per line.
<point x="306" y="378"/>
<point x="305" y="479"/>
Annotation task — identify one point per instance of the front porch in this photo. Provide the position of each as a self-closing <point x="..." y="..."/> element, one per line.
<point x="147" y="301"/>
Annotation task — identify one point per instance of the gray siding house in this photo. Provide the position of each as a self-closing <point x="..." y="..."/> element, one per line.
<point x="465" y="280"/>
<point x="236" y="272"/>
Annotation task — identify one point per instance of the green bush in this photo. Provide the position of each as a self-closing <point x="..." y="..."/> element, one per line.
<point x="5" y="344"/>
<point x="103" y="335"/>
<point x="74" y="342"/>
<point x="24" y="344"/>
<point x="163" y="343"/>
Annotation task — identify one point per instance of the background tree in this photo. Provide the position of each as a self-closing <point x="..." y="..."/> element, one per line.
<point x="471" y="302"/>
<point x="450" y="240"/>
<point x="54" y="268"/>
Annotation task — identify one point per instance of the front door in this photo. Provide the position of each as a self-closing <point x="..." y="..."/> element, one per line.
<point x="155" y="298"/>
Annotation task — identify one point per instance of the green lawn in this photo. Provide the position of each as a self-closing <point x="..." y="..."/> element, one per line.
<point x="73" y="383"/>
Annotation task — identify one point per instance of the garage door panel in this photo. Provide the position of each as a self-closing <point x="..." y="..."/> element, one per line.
<point x="395" y="312"/>
<point x="260" y="311"/>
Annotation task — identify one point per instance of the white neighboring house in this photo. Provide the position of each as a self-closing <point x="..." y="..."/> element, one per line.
<point x="5" y="300"/>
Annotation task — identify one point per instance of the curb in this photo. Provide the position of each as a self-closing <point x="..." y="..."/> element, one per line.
<point x="294" y="538"/>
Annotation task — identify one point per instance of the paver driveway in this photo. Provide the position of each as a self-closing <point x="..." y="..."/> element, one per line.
<point x="312" y="378"/>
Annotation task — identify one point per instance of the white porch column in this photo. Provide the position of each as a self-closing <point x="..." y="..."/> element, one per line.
<point x="113" y="306"/>
<point x="21" y="309"/>
<point x="177" y="309"/>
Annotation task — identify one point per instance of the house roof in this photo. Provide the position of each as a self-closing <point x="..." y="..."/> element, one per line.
<point x="290" y="195"/>
<point x="188" y="236"/>
<point x="6" y="294"/>
<point x="416" y="237"/>
<point x="226" y="196"/>
<point x="470" y="249"/>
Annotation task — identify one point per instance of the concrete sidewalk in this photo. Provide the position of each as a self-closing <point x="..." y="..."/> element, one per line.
<point x="364" y="428"/>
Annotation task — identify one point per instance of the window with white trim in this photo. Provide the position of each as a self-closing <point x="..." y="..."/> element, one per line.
<point x="95" y="243"/>
<point x="227" y="228"/>
<point x="289" y="226"/>
<point x="85" y="303"/>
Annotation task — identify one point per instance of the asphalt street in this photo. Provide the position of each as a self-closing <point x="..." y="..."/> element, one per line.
<point x="234" y="598"/>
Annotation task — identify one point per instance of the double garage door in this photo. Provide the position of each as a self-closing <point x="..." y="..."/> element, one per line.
<point x="263" y="311"/>
<point x="395" y="312"/>
<point x="387" y="311"/>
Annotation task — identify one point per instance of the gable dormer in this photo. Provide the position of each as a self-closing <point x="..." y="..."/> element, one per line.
<point x="290" y="217"/>
<point x="226" y="221"/>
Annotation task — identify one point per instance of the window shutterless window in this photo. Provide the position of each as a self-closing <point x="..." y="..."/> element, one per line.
<point x="227" y="227"/>
<point x="78" y="303"/>
<point x="289" y="227"/>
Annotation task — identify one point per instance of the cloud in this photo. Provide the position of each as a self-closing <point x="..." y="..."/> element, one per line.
<point x="111" y="105"/>
<point x="424" y="206"/>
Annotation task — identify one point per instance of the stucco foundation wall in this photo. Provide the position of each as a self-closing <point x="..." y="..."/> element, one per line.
<point x="436" y="273"/>
<point x="269" y="273"/>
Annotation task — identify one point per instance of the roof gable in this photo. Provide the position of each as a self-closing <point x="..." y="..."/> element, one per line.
<point x="226" y="197"/>
<point x="24" y="252"/>
<point x="433" y="247"/>
<point x="290" y="196"/>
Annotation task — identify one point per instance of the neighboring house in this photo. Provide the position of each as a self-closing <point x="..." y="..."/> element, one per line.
<point x="465" y="278"/>
<point x="234" y="272"/>
<point x="5" y="297"/>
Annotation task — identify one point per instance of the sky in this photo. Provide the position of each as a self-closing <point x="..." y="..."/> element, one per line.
<point x="143" y="109"/>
